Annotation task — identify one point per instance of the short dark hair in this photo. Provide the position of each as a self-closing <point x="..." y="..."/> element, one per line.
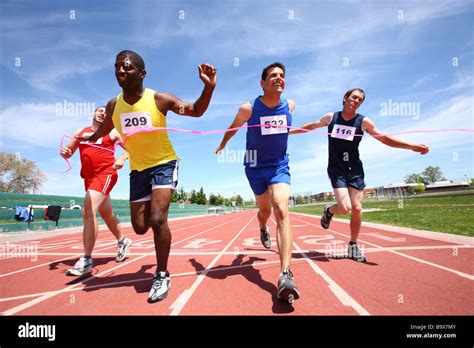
<point x="102" y="106"/>
<point x="138" y="60"/>
<point x="273" y="65"/>
<point x="349" y="92"/>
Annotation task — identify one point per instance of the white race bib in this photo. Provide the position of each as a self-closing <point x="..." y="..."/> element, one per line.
<point x="343" y="132"/>
<point x="135" y="121"/>
<point x="88" y="134"/>
<point x="273" y="124"/>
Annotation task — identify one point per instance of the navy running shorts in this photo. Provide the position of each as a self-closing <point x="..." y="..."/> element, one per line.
<point x="161" y="176"/>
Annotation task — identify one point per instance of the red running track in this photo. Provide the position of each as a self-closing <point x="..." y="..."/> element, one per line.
<point x="218" y="267"/>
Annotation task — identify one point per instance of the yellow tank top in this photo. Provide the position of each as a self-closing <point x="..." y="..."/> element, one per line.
<point x="149" y="149"/>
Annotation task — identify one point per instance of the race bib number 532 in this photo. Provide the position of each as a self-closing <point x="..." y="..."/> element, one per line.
<point x="135" y="121"/>
<point x="273" y="124"/>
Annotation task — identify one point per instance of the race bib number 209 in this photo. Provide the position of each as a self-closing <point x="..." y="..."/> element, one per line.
<point x="135" y="121"/>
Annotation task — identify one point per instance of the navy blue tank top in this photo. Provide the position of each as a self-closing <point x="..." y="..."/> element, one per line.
<point x="268" y="144"/>
<point x="344" y="145"/>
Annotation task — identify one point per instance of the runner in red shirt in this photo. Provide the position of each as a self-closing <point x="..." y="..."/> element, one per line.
<point x="99" y="171"/>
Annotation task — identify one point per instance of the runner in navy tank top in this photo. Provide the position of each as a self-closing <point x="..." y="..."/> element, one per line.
<point x="345" y="170"/>
<point x="266" y="165"/>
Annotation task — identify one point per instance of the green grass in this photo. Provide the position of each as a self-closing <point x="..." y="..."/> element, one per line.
<point x="417" y="213"/>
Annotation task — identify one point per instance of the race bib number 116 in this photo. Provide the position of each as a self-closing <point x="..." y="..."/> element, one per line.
<point x="343" y="132"/>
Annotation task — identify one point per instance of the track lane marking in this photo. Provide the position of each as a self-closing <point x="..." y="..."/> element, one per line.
<point x="346" y="299"/>
<point x="49" y="295"/>
<point x="75" y="255"/>
<point x="459" y="273"/>
<point x="178" y="305"/>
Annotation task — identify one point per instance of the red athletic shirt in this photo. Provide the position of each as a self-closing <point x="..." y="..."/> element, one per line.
<point x="96" y="161"/>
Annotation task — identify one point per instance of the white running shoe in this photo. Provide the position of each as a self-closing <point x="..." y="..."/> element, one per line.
<point x="82" y="266"/>
<point x="160" y="287"/>
<point x="122" y="249"/>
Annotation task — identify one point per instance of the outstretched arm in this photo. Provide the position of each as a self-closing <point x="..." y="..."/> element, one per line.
<point x="323" y="122"/>
<point x="369" y="126"/>
<point x="168" y="101"/>
<point x="243" y="115"/>
<point x="68" y="150"/>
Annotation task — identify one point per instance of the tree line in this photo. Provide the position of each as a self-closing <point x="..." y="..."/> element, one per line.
<point x="199" y="197"/>
<point x="428" y="176"/>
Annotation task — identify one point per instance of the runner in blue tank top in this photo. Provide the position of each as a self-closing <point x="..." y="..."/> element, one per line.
<point x="345" y="130"/>
<point x="266" y="165"/>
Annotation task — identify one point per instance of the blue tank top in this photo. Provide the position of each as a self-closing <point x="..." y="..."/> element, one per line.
<point x="344" y="146"/>
<point x="266" y="146"/>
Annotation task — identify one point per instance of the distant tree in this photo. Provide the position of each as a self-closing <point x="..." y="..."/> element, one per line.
<point x="420" y="188"/>
<point x="193" y="198"/>
<point x="432" y="174"/>
<point x="220" y="200"/>
<point x="212" y="199"/>
<point x="239" y="200"/>
<point x="414" y="178"/>
<point x="216" y="200"/>
<point x="19" y="175"/>
<point x="201" y="197"/>
<point x="175" y="197"/>
<point x="182" y="196"/>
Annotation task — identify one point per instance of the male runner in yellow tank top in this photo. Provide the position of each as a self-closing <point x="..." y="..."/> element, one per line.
<point x="153" y="161"/>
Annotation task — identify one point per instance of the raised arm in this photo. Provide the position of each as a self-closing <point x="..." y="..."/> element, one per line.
<point x="71" y="147"/>
<point x="369" y="126"/>
<point x="243" y="115"/>
<point x="323" y="122"/>
<point x="168" y="101"/>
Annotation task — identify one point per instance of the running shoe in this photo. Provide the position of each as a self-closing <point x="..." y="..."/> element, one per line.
<point x="160" y="287"/>
<point x="354" y="253"/>
<point x="326" y="218"/>
<point x="265" y="238"/>
<point x="82" y="266"/>
<point x="287" y="289"/>
<point x="122" y="249"/>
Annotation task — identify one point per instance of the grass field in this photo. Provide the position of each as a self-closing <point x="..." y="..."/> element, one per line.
<point x="443" y="214"/>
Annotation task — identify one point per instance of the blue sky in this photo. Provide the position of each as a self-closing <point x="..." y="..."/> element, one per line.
<point x="415" y="52"/>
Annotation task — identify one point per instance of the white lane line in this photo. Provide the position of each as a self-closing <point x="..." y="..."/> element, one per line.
<point x="459" y="273"/>
<point x="72" y="256"/>
<point x="181" y="301"/>
<point x="182" y="252"/>
<point x="40" y="244"/>
<point x="346" y="299"/>
<point x="387" y="238"/>
<point x="192" y="273"/>
<point x="75" y="255"/>
<point x="49" y="295"/>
